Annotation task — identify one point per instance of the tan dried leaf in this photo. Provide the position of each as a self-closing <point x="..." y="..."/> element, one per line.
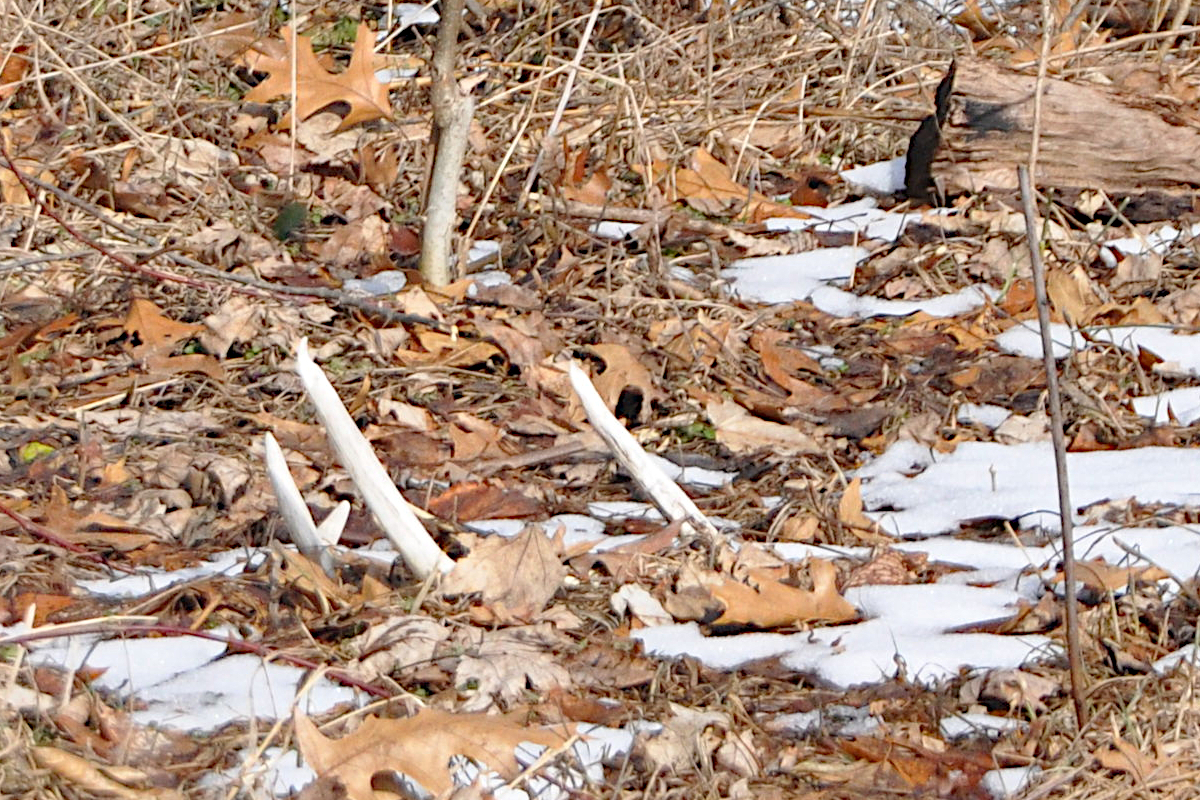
<point x="419" y="746"/>
<point x="745" y="434"/>
<point x="514" y="577"/>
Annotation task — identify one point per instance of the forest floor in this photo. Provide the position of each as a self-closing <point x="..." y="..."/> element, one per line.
<point x="179" y="225"/>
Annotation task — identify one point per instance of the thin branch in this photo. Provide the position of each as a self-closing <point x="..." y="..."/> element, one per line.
<point x="1025" y="177"/>
<point x="552" y="131"/>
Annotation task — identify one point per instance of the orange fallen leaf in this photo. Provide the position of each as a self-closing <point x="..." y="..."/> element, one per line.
<point x="316" y="88"/>
<point x="765" y="602"/>
<point x="708" y="186"/>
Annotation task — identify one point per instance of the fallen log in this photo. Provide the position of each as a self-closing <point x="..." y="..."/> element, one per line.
<point x="1091" y="137"/>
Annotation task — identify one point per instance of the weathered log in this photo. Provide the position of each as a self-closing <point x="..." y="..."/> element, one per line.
<point x="1091" y="137"/>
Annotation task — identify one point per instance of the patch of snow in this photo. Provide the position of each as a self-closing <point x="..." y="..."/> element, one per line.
<point x="1024" y="339"/>
<point x="683" y="274"/>
<point x="693" y="476"/>
<point x="960" y="726"/>
<point x="1182" y="404"/>
<point x="611" y="229"/>
<point x="1180" y="352"/>
<point x="794" y="277"/>
<point x="841" y="303"/>
<point x="128" y="665"/>
<point x="577" y="528"/>
<point x="391" y="75"/>
<point x="907" y="633"/>
<point x="407" y="14"/>
<point x="484" y="250"/>
<point x="717" y="652"/>
<point x="824" y="354"/>
<point x="624" y="509"/>
<point x="278" y="769"/>
<point x="1185" y="655"/>
<point x="1009" y="782"/>
<point x="835" y="719"/>
<point x="941" y="607"/>
<point x="508" y="528"/>
<point x="147" y="581"/>
<point x="883" y="177"/>
<point x="386" y="282"/>
<point x="1157" y="241"/>
<point x="233" y="688"/>
<point x="985" y="480"/>
<point x="806" y="276"/>
<point x="861" y="217"/>
<point x="988" y="416"/>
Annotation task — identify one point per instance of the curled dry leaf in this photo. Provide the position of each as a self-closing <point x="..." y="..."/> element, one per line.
<point x="419" y="746"/>
<point x="762" y="601"/>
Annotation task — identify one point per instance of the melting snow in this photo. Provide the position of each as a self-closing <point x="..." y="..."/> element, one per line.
<point x="915" y="491"/>
<point x="1179" y="351"/>
<point x="884" y="177"/>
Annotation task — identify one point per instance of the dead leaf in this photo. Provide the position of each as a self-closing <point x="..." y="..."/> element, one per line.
<point x="420" y="746"/>
<point x="886" y="568"/>
<point x="683" y="740"/>
<point x="762" y="601"/>
<point x="360" y="240"/>
<point x="1121" y="756"/>
<point x="12" y="70"/>
<point x="781" y="362"/>
<point x="623" y="370"/>
<point x="1107" y="578"/>
<point x="708" y="186"/>
<point x="515" y="578"/>
<point x="1072" y="295"/>
<point x="447" y="351"/>
<point x="1018" y="689"/>
<point x="90" y="778"/>
<point x="850" y="512"/>
<point x="504" y="665"/>
<point x="151" y="331"/>
<point x="317" y="88"/>
<point x="744" y="434"/>
<point x="238" y="320"/>
<point x="475" y="500"/>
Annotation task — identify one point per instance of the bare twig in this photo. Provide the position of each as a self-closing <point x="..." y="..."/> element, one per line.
<point x="1066" y="512"/>
<point x="47" y="535"/>
<point x="552" y="131"/>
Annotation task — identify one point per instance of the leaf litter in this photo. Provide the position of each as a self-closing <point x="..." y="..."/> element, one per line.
<point x="845" y="387"/>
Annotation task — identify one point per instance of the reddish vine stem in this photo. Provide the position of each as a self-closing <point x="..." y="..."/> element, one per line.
<point x="233" y="644"/>
<point x="239" y="284"/>
<point x="47" y="535"/>
<point x="134" y="267"/>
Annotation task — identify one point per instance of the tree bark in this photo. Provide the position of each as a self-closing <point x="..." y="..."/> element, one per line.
<point x="1091" y="137"/>
<point x="452" y="112"/>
